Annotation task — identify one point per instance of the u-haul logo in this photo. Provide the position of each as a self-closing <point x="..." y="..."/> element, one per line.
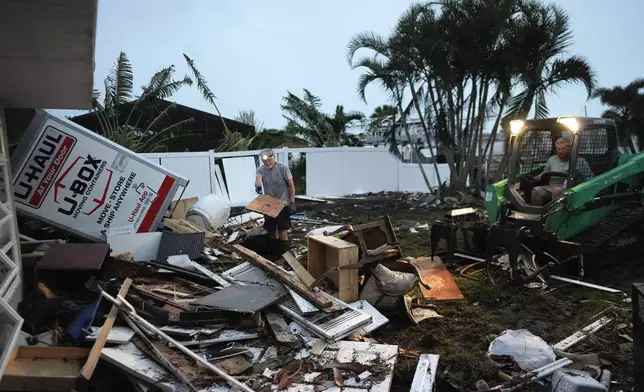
<point x="41" y="169"/>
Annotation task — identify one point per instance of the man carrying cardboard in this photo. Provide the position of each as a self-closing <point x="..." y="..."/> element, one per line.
<point x="276" y="180"/>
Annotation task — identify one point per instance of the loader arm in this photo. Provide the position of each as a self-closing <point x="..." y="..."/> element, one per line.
<point x="586" y="192"/>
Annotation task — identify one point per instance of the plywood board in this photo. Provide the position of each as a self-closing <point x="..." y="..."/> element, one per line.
<point x="240" y="179"/>
<point x="434" y="273"/>
<point x="267" y="205"/>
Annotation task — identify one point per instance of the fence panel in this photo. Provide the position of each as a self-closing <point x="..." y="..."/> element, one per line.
<point x="335" y="171"/>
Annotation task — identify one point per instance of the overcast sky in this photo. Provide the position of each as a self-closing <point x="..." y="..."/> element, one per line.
<point x="253" y="51"/>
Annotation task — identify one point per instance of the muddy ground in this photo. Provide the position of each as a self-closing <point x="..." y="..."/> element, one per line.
<point x="463" y="334"/>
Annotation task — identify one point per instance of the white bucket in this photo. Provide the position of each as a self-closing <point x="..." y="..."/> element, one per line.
<point x="210" y="212"/>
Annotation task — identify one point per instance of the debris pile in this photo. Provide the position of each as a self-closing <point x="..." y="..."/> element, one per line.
<point x="210" y="307"/>
<point x="203" y="309"/>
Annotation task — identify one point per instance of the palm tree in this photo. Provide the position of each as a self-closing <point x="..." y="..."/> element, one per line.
<point x="626" y="107"/>
<point x="248" y="117"/>
<point x="539" y="37"/>
<point x="306" y="120"/>
<point x="145" y="129"/>
<point x="381" y="68"/>
<point x="339" y="122"/>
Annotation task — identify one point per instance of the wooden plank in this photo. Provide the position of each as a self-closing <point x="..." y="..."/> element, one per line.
<point x="327" y="253"/>
<point x="299" y="269"/>
<point x="95" y="353"/>
<point x="434" y="273"/>
<point x="293" y="282"/>
<point x="266" y="205"/>
<point x="281" y="331"/>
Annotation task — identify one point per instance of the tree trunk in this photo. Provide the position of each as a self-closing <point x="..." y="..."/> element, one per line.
<point x="403" y="118"/>
<point x="426" y="131"/>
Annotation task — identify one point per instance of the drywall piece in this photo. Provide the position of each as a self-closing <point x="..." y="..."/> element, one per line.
<point x="381" y="356"/>
<point x="240" y="179"/>
<point x="378" y="320"/>
<point x="117" y="335"/>
<point x="142" y="246"/>
<point x="425" y="376"/>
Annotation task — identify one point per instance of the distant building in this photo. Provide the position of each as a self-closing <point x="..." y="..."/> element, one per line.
<point x="205" y="131"/>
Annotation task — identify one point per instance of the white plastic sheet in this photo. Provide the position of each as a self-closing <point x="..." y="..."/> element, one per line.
<point x="530" y="352"/>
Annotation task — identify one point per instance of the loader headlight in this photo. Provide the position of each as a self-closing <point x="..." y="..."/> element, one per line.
<point x="516" y="126"/>
<point x="569" y="122"/>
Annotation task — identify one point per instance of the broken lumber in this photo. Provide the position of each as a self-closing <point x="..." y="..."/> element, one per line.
<point x="129" y="311"/>
<point x="95" y="354"/>
<point x="299" y="269"/>
<point x="293" y="282"/>
<point x="159" y="355"/>
<point x="281" y="331"/>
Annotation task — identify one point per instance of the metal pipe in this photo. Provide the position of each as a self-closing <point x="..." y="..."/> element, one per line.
<point x="129" y="311"/>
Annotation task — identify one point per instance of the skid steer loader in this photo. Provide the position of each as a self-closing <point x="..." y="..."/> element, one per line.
<point x="596" y="219"/>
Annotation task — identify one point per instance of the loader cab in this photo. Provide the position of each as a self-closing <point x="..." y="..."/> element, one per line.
<point x="594" y="149"/>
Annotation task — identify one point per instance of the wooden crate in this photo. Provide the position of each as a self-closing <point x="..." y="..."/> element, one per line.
<point x="325" y="253"/>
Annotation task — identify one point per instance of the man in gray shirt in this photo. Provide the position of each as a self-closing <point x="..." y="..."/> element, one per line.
<point x="276" y="180"/>
<point x="560" y="163"/>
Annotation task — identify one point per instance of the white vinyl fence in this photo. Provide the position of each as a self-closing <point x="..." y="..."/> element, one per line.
<point x="336" y="171"/>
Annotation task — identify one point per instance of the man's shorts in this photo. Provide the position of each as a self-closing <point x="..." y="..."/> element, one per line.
<point x="281" y="223"/>
<point x="545" y="191"/>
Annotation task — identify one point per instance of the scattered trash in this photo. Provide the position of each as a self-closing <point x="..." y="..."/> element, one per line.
<point x="205" y="305"/>
<point x="529" y="352"/>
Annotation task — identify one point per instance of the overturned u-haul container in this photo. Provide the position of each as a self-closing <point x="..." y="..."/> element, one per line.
<point x="72" y="178"/>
